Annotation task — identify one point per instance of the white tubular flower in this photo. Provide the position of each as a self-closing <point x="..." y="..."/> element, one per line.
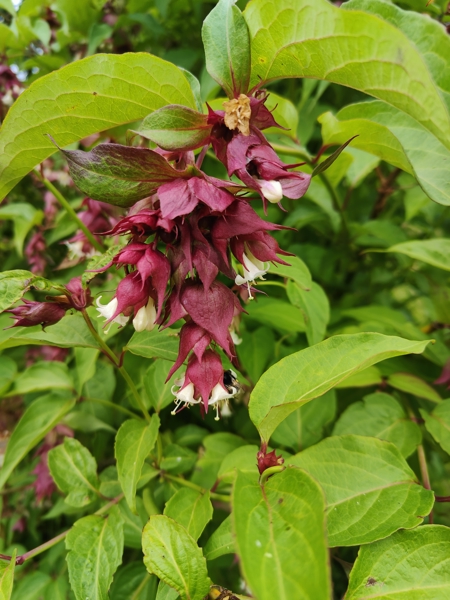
<point x="271" y="190"/>
<point x="236" y="339"/>
<point x="107" y="311"/>
<point x="219" y="397"/>
<point x="184" y="397"/>
<point x="145" y="317"/>
<point x="253" y="269"/>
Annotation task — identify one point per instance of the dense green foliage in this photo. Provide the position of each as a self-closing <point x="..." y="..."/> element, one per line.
<point x="343" y="361"/>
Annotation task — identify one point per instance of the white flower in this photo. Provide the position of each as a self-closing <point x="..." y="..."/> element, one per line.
<point x="219" y="399"/>
<point x="107" y="311"/>
<point x="236" y="339"/>
<point x="271" y="190"/>
<point x="253" y="269"/>
<point x="145" y="317"/>
<point x="184" y="395"/>
<point x="76" y="250"/>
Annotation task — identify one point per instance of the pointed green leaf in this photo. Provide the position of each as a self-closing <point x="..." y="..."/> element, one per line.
<point x="409" y="565"/>
<point x="118" y="174"/>
<point x="134" y="442"/>
<point x="434" y="252"/>
<point x="14" y="284"/>
<point x="369" y="487"/>
<point x="74" y="470"/>
<point x="325" y="164"/>
<point x="221" y="542"/>
<point x="95" y="546"/>
<point x="411" y="384"/>
<point x="227" y="47"/>
<point x="173" y="556"/>
<point x="314" y="303"/>
<point x="156" y="387"/>
<point x="176" y="127"/>
<point x="43" y="375"/>
<point x="38" y="419"/>
<point x="396" y="138"/>
<point x="310" y="373"/>
<point x="86" y="96"/>
<point x="7" y="577"/>
<point x="313" y="38"/>
<point x="438" y="424"/>
<point x="296" y="270"/>
<point x="191" y="509"/>
<point x="155" y="344"/>
<point x="278" y="527"/>
<point x="380" y="415"/>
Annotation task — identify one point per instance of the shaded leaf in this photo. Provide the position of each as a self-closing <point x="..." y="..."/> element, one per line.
<point x="314" y="303"/>
<point x="158" y="391"/>
<point x="434" y="252"/>
<point x="438" y="424"/>
<point x="155" y="344"/>
<point x="325" y="164"/>
<point x="191" y="509"/>
<point x="221" y="542"/>
<point x="43" y="375"/>
<point x="296" y="270"/>
<point x="406" y="382"/>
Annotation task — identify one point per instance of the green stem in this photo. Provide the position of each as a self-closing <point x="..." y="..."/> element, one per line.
<point x="195" y="487"/>
<point x="292" y="152"/>
<point x="275" y="283"/>
<point x="112" y="405"/>
<point x="110" y="354"/>
<point x="71" y="212"/>
<point x="270" y="471"/>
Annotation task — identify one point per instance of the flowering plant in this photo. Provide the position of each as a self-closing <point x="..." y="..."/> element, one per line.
<point x="213" y="370"/>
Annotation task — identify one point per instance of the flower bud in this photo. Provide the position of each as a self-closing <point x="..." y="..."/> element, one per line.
<point x="107" y="311"/>
<point x="145" y="317"/>
<point x="271" y="190"/>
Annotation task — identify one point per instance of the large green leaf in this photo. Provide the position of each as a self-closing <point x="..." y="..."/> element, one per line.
<point x="172" y="554"/>
<point x="155" y="344"/>
<point x="38" y="419"/>
<point x="409" y="565"/>
<point x="370" y="489"/>
<point x="7" y="577"/>
<point x="191" y="509"/>
<point x="74" y="471"/>
<point x="221" y="542"/>
<point x="434" y="252"/>
<point x="310" y="373"/>
<point x="396" y="138"/>
<point x="313" y="38"/>
<point x="227" y="47"/>
<point x="95" y="546"/>
<point x="84" y="97"/>
<point x="134" y="441"/>
<point x="380" y="415"/>
<point x="315" y="306"/>
<point x="279" y="527"/>
<point x="43" y="375"/>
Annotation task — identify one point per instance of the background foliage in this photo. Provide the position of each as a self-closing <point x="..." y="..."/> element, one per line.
<point x="362" y="421"/>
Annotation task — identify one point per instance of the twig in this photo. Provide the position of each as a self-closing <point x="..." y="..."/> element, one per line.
<point x="384" y="191"/>
<point x="194" y="486"/>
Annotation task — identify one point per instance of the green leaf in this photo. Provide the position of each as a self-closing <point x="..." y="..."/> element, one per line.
<point x="369" y="376"/>
<point x="177" y="459"/>
<point x="314" y="303"/>
<point x="278" y="314"/>
<point x="296" y="270"/>
<point x="176" y="127"/>
<point x="305" y="426"/>
<point x="74" y="470"/>
<point x="227" y="47"/>
<point x="438" y="424"/>
<point x="434" y="252"/>
<point x="118" y="174"/>
<point x="409" y="565"/>
<point x="43" y="375"/>
<point x="191" y="509"/>
<point x="24" y="217"/>
<point x="370" y="489"/>
<point x="86" y="96"/>
<point x="133" y="583"/>
<point x="99" y="261"/>
<point x="14" y="284"/>
<point x="155" y="344"/>
<point x="8" y="370"/>
<point x="157" y="389"/>
<point x="32" y="587"/>
<point x="38" y="419"/>
<point x="8" y="5"/>
<point x="396" y="138"/>
<point x="134" y="442"/>
<point x="7" y="577"/>
<point x="256" y="350"/>
<point x="278" y="527"/>
<point x="173" y="556"/>
<point x="242" y="459"/>
<point x="406" y="382"/>
<point x="95" y="546"/>
<point x="380" y="415"/>
<point x="221" y="542"/>
<point x="217" y="447"/>
<point x="325" y="164"/>
<point x="310" y="373"/>
<point x="313" y="38"/>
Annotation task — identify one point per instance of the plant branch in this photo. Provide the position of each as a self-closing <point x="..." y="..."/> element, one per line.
<point x="118" y="407"/>
<point x="194" y="486"/>
<point x="73" y="215"/>
<point x="50" y="543"/>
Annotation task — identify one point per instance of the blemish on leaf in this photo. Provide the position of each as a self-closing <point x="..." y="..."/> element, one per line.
<point x="281" y="500"/>
<point x="371" y="581"/>
<point x="94" y="93"/>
